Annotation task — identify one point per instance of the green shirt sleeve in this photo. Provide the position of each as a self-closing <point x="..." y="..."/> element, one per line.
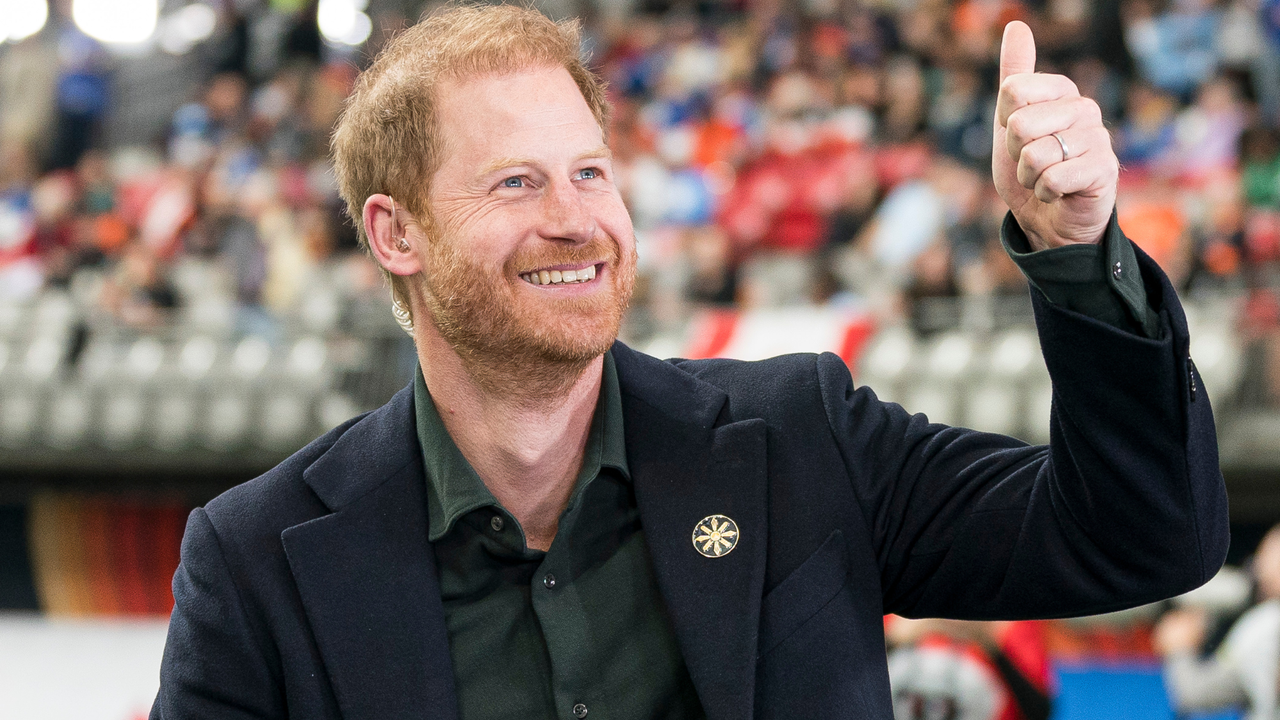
<point x="1102" y="281"/>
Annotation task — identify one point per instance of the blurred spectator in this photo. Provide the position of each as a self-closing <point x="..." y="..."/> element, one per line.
<point x="961" y="116"/>
<point x="28" y="79"/>
<point x="81" y="98"/>
<point x="199" y="128"/>
<point x="769" y="154"/>
<point x="138" y="293"/>
<point x="1260" y="172"/>
<point x="1242" y="672"/>
<point x="905" y="109"/>
<point x="1207" y="134"/>
<point x="1147" y="135"/>
<point x="713" y="280"/>
<point x="1174" y="45"/>
<point x="953" y="669"/>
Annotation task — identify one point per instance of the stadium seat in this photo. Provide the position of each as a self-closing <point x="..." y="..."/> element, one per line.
<point x="144" y="359"/>
<point x="283" y="421"/>
<point x="251" y="356"/>
<point x="174" y="422"/>
<point x="19" y="413"/>
<point x="993" y="407"/>
<point x="121" y="422"/>
<point x="197" y="357"/>
<point x="43" y="359"/>
<point x="68" y="425"/>
<point x="226" y="421"/>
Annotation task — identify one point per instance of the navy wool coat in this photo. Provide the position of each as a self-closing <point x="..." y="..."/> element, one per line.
<point x="311" y="592"/>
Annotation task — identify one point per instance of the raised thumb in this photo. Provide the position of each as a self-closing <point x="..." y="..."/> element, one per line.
<point x="1017" y="50"/>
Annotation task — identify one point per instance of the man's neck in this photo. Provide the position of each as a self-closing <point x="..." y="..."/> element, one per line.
<point x="527" y="453"/>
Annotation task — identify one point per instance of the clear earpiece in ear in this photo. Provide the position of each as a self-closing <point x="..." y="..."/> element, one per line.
<point x="403" y="318"/>
<point x="401" y="243"/>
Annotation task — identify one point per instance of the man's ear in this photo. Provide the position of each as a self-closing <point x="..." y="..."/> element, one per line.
<point x="392" y="246"/>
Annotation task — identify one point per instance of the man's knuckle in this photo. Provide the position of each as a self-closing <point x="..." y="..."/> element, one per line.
<point x="1013" y="91"/>
<point x="1052" y="180"/>
<point x="1017" y="126"/>
<point x="1031" y="157"/>
<point x="1091" y="110"/>
<point x="1025" y="177"/>
<point x="1068" y="85"/>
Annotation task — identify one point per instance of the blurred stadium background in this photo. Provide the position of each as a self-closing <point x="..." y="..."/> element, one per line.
<point x="182" y="302"/>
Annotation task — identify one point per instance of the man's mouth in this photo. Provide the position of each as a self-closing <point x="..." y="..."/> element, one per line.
<point x="560" y="277"/>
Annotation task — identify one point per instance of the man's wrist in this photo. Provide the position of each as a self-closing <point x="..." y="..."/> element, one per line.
<point x="1040" y="241"/>
<point x="1100" y="280"/>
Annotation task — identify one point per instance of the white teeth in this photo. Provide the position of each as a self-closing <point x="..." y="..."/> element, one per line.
<point x="560" y="277"/>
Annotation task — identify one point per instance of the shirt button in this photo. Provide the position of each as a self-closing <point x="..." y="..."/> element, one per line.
<point x="549" y="581"/>
<point x="579" y="711"/>
<point x="1117" y="271"/>
<point x="496" y="523"/>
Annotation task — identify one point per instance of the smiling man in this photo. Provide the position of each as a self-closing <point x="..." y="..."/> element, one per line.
<point x="547" y="524"/>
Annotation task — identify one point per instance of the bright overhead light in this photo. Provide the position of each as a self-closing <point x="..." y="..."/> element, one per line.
<point x="195" y="22"/>
<point x="116" y="21"/>
<point x="182" y="30"/>
<point x="20" y="19"/>
<point x="343" y="21"/>
<point x="172" y="42"/>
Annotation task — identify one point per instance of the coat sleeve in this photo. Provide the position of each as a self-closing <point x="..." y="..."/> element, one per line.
<point x="1126" y="505"/>
<point x="215" y="663"/>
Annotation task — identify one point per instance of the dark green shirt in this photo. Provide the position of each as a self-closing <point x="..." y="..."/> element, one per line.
<point x="582" y="626"/>
<point x="1102" y="281"/>
<point x="579" y="628"/>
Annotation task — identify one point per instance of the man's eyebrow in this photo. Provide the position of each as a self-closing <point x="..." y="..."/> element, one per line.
<point x="503" y="163"/>
<point x="601" y="152"/>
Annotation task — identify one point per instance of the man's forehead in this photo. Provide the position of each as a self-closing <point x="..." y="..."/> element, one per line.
<point x="547" y="86"/>
<point x="503" y="114"/>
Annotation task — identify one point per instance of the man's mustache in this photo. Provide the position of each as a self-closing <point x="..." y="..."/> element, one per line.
<point x="599" y="249"/>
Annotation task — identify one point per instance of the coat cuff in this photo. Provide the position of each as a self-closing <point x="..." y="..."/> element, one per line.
<point x="1101" y="280"/>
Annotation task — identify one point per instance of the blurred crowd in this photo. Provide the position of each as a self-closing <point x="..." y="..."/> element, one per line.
<point x="1224" y="656"/>
<point x="820" y="153"/>
<point x="830" y="152"/>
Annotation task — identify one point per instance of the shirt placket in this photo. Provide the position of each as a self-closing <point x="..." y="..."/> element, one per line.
<point x="564" y="627"/>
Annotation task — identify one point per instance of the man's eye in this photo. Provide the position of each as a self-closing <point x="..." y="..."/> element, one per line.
<point x="513" y="182"/>
<point x="589" y="174"/>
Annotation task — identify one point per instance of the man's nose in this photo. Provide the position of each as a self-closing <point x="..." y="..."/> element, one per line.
<point x="566" y="215"/>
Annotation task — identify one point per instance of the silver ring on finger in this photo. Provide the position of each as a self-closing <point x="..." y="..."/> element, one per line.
<point x="1065" y="153"/>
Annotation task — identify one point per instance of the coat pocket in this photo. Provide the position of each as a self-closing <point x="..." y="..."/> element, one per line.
<point x="804" y="592"/>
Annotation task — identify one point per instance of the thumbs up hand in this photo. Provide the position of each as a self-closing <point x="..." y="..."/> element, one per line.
<point x="1052" y="160"/>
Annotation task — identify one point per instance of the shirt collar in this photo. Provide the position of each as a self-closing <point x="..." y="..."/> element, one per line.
<point x="455" y="489"/>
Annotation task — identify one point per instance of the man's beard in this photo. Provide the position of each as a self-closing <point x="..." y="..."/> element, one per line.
<point x="524" y="345"/>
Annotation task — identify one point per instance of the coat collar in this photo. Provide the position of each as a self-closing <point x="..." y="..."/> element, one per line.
<point x="687" y="464"/>
<point x="368" y="581"/>
<point x="367" y="576"/>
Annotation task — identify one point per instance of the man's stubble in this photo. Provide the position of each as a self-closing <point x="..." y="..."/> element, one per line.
<point x="524" y="348"/>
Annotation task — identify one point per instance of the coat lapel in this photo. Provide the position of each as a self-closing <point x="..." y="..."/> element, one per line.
<point x="367" y="577"/>
<point x="685" y="468"/>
